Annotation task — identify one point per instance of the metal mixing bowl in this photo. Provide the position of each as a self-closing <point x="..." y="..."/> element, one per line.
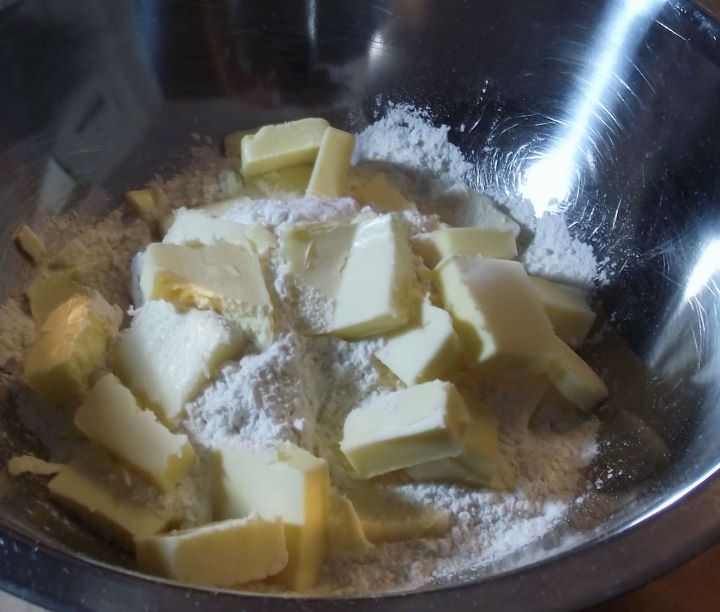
<point x="607" y="107"/>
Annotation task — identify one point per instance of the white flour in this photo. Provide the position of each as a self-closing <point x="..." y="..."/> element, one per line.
<point x="302" y="387"/>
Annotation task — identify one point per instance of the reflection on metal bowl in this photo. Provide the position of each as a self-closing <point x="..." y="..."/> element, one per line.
<point x="605" y="110"/>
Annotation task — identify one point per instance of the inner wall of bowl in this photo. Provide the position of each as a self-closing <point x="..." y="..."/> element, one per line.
<point x="612" y="122"/>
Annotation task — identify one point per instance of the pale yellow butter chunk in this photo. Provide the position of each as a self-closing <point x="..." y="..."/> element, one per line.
<point x="404" y="428"/>
<point x="376" y="294"/>
<point x="281" y="183"/>
<point x="111" y="417"/>
<point x="198" y="227"/>
<point x="30" y="244"/>
<point x="425" y="352"/>
<point x="317" y="254"/>
<point x="329" y="177"/>
<point x="280" y="146"/>
<point x="221" y="277"/>
<point x="345" y="535"/>
<point x="27" y="464"/>
<point x="70" y="346"/>
<point x="104" y="507"/>
<point x="574" y="379"/>
<point x="387" y="516"/>
<point x="232" y="143"/>
<point x="47" y="291"/>
<point x="442" y="243"/>
<point x="223" y="554"/>
<point x="166" y="357"/>
<point x="477" y="464"/>
<point x="567" y="308"/>
<point x="291" y="484"/>
<point x="501" y="323"/>
<point x="381" y="196"/>
<point x="143" y="202"/>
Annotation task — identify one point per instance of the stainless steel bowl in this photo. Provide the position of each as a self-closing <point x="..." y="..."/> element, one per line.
<point x="608" y="107"/>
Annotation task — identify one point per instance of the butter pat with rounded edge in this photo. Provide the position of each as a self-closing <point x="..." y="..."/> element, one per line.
<point x="111" y="417"/>
<point x="193" y="227"/>
<point x="30" y="244"/>
<point x="222" y="554"/>
<point x="425" y="352"/>
<point x="166" y="357"/>
<point x="499" y="318"/>
<point x="289" y="483"/>
<point x="442" y="243"/>
<point x="283" y="145"/>
<point x="71" y="345"/>
<point x="376" y="293"/>
<point x="567" y="308"/>
<point x="100" y="505"/>
<point x="404" y="428"/>
<point x="329" y="176"/>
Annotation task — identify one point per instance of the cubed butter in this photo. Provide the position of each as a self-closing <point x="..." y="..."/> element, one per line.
<point x="499" y="318"/>
<point x="345" y="535"/>
<point x="388" y="516"/>
<point x="221" y="277"/>
<point x="71" y="345"/>
<point x="192" y="227"/>
<point x="403" y="428"/>
<point x="425" y="352"/>
<point x="166" y="357"/>
<point x="142" y="202"/>
<point x="280" y="146"/>
<point x="111" y="417"/>
<point x="102" y="506"/>
<point x="317" y="254"/>
<point x="574" y="379"/>
<point x="442" y="243"/>
<point x="291" y="484"/>
<point x="376" y="294"/>
<point x="48" y="290"/>
<point x="381" y="196"/>
<point x="477" y="464"/>
<point x="223" y="554"/>
<point x="232" y="143"/>
<point x="27" y="464"/>
<point x="567" y="308"/>
<point x="285" y="182"/>
<point x="30" y="244"/>
<point x="329" y="176"/>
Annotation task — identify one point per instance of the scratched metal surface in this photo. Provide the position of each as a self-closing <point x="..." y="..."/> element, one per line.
<point x="605" y="109"/>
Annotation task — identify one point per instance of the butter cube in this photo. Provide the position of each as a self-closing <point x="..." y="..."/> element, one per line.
<point x="102" y="506"/>
<point x="111" y="417"/>
<point x="30" y="244"/>
<point x="477" y="464"/>
<point x="425" y="352"/>
<point x="191" y="227"/>
<point x="71" y="345"/>
<point x="279" y="146"/>
<point x="573" y="378"/>
<point x="27" y="464"/>
<point x="317" y="254"/>
<point x="345" y="535"/>
<point x="142" y="202"/>
<point x="222" y="277"/>
<point x="388" y="516"/>
<point x="166" y="357"/>
<point x="47" y="291"/>
<point x="400" y="429"/>
<point x="282" y="183"/>
<point x="381" y="196"/>
<point x="499" y="318"/>
<point x="291" y="484"/>
<point x="376" y="293"/>
<point x="448" y="241"/>
<point x="223" y="554"/>
<point x="232" y="143"/>
<point x="329" y="177"/>
<point x="567" y="309"/>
